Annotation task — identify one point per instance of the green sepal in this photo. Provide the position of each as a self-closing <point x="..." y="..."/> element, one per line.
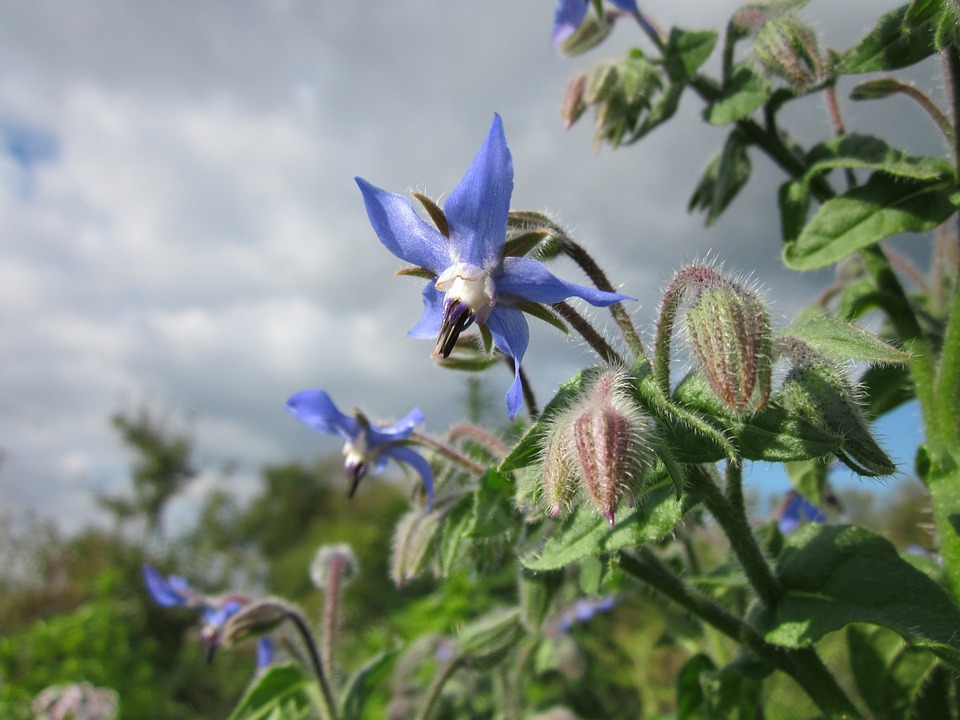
<point x="435" y="212"/>
<point x="486" y="338"/>
<point x="414" y="271"/>
<point x="477" y="362"/>
<point x="520" y="245"/>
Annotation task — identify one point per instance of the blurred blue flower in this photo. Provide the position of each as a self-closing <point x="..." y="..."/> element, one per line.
<point x="473" y="282"/>
<point x="366" y="447"/>
<point x="795" y="509"/>
<point x="174" y="591"/>
<point x="570" y="13"/>
<point x="584" y="609"/>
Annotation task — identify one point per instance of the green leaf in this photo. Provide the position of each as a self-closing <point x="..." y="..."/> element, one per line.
<point x="842" y="341"/>
<point x="886" y="387"/>
<point x="281" y="691"/>
<point x="362" y="683"/>
<point x="892" y="44"/>
<point x="725" y="176"/>
<point x="809" y="478"/>
<point x="888" y="673"/>
<point x="486" y="641"/>
<point x="837" y="575"/>
<point x="492" y="507"/>
<point x="586" y="533"/>
<point x="865" y="151"/>
<point x="686" y="51"/>
<point x="794" y="200"/>
<point x="661" y="110"/>
<point x="884" y="206"/>
<point x="746" y="93"/>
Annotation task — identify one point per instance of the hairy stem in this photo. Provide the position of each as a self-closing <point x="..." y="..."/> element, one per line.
<point x="588" y="333"/>
<point x="328" y="708"/>
<point x="436" y="687"/>
<point x="447" y="452"/>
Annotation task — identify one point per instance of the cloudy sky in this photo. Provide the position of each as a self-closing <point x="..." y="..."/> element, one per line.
<point x="179" y="224"/>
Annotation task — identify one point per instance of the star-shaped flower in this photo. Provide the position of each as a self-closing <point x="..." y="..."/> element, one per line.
<point x="472" y="280"/>
<point x="570" y="13"/>
<point x="367" y="447"/>
<point x="174" y="591"/>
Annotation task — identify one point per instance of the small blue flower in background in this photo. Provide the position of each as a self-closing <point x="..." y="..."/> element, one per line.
<point x="570" y="13"/>
<point x="367" y="447"/>
<point x="473" y="282"/>
<point x="584" y="609"/>
<point x="795" y="509"/>
<point x="174" y="591"/>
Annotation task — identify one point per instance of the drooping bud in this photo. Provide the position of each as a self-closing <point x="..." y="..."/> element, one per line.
<point x="256" y="618"/>
<point x="787" y="48"/>
<point x="587" y="35"/>
<point x="820" y="393"/>
<point x="573" y="103"/>
<point x="611" y="442"/>
<point x="333" y="562"/>
<point x="728" y="330"/>
<point x="560" y="472"/>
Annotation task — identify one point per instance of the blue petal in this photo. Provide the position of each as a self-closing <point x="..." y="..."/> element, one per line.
<point x="402" y="231"/>
<point x="629" y="6"/>
<point x="528" y="279"/>
<point x="400" y="430"/>
<point x="316" y="410"/>
<point x="265" y="652"/>
<point x="429" y="326"/>
<point x="167" y="593"/>
<point x="569" y="15"/>
<point x="511" y="334"/>
<point x="418" y="462"/>
<point x="477" y="208"/>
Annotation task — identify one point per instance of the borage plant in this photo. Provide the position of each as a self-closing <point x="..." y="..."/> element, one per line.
<point x="628" y="487"/>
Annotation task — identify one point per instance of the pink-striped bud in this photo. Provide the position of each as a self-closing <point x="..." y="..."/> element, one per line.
<point x="728" y="330"/>
<point x="610" y="442"/>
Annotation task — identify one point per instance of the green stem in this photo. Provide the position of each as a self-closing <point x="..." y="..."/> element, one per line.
<point x="328" y="708"/>
<point x="447" y="452"/>
<point x="938" y="465"/>
<point x="579" y="255"/>
<point x="947" y="392"/>
<point x="436" y="686"/>
<point x="802" y="664"/>
<point x="730" y="513"/>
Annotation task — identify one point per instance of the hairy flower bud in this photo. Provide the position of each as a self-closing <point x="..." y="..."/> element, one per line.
<point x="820" y="393"/>
<point x="256" y="618"/>
<point x="573" y="103"/>
<point x="330" y="560"/>
<point x="610" y="439"/>
<point x="559" y="464"/>
<point x="787" y="48"/>
<point x="590" y="33"/>
<point x="728" y="329"/>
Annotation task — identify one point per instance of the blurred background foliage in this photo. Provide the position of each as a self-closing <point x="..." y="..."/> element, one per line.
<point x="74" y="609"/>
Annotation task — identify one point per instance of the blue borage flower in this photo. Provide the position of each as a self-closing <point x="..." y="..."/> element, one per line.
<point x="473" y="281"/>
<point x="570" y="13"/>
<point x="795" y="509"/>
<point x="174" y="591"/>
<point x="367" y="447"/>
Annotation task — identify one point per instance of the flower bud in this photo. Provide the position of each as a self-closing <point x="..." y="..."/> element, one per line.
<point x="483" y="643"/>
<point x="331" y="560"/>
<point x="787" y="48"/>
<point x="559" y="483"/>
<point x="820" y="393"/>
<point x="588" y="34"/>
<point x="728" y="330"/>
<point x="573" y="103"/>
<point x="257" y="618"/>
<point x="610" y="439"/>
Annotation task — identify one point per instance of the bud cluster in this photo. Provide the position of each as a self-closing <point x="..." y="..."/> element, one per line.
<point x="600" y="446"/>
<point x="786" y="47"/>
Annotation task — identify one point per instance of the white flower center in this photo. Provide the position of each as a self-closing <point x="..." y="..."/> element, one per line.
<point x="470" y="285"/>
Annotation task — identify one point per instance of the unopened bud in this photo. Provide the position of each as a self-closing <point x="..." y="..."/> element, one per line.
<point x="587" y="35"/>
<point x="728" y="329"/>
<point x="257" y="618"/>
<point x="820" y="393"/>
<point x="787" y="47"/>
<point x="559" y="464"/>
<point x="611" y="442"/>
<point x="330" y="560"/>
<point x="601" y="82"/>
<point x="486" y="641"/>
<point x="413" y="539"/>
<point x="573" y="103"/>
